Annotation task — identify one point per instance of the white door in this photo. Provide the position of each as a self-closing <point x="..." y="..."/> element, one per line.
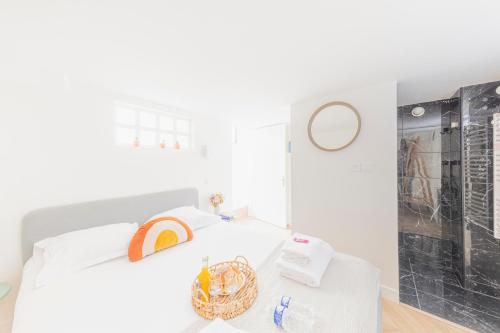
<point x="269" y="193"/>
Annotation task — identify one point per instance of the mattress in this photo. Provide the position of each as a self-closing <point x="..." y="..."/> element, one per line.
<point x="153" y="295"/>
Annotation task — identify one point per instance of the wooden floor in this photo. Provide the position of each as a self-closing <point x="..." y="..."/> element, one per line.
<point x="399" y="318"/>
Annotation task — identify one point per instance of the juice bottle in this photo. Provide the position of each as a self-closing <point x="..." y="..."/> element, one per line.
<point x="204" y="278"/>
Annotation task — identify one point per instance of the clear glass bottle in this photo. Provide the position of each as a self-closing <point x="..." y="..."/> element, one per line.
<point x="292" y="321"/>
<point x="204" y="277"/>
<point x="291" y="303"/>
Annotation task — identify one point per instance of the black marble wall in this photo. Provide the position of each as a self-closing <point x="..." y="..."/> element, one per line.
<point x="429" y="176"/>
<point x="420" y="170"/>
<point x="452" y="181"/>
<point x="449" y="261"/>
<point x="428" y="170"/>
<point x="482" y="250"/>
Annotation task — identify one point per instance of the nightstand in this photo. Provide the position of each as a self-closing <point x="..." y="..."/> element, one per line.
<point x="4" y="289"/>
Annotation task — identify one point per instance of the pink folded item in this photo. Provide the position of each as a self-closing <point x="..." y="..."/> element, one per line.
<point x="300" y="248"/>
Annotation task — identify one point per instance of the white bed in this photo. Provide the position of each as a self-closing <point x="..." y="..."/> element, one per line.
<point x="153" y="295"/>
<point x="147" y="296"/>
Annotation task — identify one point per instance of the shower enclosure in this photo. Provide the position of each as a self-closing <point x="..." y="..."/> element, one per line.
<point x="448" y="258"/>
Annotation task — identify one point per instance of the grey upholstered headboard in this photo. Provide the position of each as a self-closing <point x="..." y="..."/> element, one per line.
<point x="53" y="221"/>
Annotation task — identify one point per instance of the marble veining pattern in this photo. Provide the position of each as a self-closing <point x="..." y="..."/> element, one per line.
<point x="428" y="282"/>
<point x="449" y="260"/>
<point x="482" y="260"/>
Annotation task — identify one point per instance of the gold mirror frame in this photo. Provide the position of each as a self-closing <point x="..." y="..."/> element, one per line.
<point x="321" y="108"/>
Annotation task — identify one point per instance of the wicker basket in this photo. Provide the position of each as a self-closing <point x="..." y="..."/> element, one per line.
<point x="228" y="306"/>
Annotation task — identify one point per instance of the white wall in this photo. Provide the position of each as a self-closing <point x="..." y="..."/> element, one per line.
<point x="56" y="147"/>
<point x="355" y="211"/>
<point x="243" y="166"/>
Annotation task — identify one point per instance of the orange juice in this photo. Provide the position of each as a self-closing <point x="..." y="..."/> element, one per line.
<point x="204" y="278"/>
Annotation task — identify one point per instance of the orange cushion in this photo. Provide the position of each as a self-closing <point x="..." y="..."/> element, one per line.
<point x="156" y="235"/>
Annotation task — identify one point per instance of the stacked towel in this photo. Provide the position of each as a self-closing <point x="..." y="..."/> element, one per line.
<point x="299" y="249"/>
<point x="305" y="259"/>
<point x="220" y="326"/>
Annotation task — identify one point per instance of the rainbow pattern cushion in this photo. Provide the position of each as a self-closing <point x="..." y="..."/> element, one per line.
<point x="156" y="235"/>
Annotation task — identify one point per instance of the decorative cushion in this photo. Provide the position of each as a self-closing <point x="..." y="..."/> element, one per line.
<point x="158" y="234"/>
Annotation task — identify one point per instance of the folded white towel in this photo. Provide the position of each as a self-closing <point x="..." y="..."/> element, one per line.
<point x="311" y="273"/>
<point x="295" y="259"/>
<point x="220" y="326"/>
<point x="299" y="248"/>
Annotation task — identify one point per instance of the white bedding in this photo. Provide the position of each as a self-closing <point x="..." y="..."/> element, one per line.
<point x="153" y="295"/>
<point x="348" y="300"/>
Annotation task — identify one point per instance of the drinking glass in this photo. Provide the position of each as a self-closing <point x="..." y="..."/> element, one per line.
<point x="215" y="288"/>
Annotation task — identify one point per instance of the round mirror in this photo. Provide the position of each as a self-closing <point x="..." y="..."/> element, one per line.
<point x="334" y="126"/>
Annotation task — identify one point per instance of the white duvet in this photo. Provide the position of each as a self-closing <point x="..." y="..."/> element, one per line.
<point x="153" y="295"/>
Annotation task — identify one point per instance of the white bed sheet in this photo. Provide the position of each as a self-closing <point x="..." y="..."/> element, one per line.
<point x="348" y="300"/>
<point x="152" y="295"/>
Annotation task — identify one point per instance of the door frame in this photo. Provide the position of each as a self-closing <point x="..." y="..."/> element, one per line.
<point x="288" y="170"/>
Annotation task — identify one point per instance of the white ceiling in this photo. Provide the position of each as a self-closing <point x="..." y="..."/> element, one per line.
<point x="253" y="58"/>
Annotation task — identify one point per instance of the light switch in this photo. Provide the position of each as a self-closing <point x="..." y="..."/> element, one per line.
<point x="356" y="167"/>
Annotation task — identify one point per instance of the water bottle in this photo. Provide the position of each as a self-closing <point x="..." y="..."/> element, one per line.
<point x="292" y="321"/>
<point x="292" y="304"/>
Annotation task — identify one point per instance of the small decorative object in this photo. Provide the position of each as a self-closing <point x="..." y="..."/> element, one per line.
<point x="163" y="145"/>
<point x="136" y="142"/>
<point x="234" y="291"/>
<point x="226" y="217"/>
<point x="216" y="200"/>
<point x="301" y="240"/>
<point x="177" y="145"/>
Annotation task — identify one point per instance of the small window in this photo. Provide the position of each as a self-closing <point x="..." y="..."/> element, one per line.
<point x="147" y="119"/>
<point x="166" y="123"/>
<point x="125" y="116"/>
<point x="147" y="137"/>
<point x="182" y="126"/>
<point x="167" y="139"/>
<point x="143" y="127"/>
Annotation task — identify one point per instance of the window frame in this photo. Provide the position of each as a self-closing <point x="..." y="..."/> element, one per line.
<point x="158" y="131"/>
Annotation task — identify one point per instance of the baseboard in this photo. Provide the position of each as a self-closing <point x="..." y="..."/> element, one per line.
<point x="389" y="293"/>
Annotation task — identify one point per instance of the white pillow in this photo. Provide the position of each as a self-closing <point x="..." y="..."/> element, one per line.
<point x="73" y="251"/>
<point x="193" y="217"/>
